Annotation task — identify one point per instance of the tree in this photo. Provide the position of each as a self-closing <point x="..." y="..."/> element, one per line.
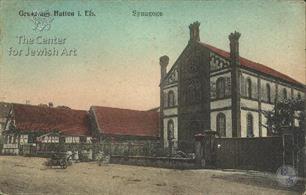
<point x="284" y="114"/>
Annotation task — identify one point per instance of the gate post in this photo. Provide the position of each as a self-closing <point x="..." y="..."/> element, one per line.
<point x="199" y="150"/>
<point x="205" y="149"/>
<point x="209" y="148"/>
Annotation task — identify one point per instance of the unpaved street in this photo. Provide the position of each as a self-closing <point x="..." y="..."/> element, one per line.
<point x="25" y="175"/>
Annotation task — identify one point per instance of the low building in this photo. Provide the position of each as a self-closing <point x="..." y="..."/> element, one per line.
<point x="29" y="124"/>
<point x="124" y="124"/>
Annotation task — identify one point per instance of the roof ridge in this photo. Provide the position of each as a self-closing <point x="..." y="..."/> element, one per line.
<point x="127" y="109"/>
<point x="47" y="107"/>
<point x="273" y="72"/>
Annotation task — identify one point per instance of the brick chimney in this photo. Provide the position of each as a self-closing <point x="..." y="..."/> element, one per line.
<point x="50" y="104"/>
<point x="163" y="61"/>
<point x="194" y="31"/>
<point x="235" y="83"/>
<point x="234" y="47"/>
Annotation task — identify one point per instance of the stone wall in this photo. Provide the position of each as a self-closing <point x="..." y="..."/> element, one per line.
<point x="121" y="148"/>
<point x="162" y="162"/>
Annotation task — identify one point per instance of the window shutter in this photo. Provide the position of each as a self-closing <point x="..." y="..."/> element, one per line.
<point x="227" y="86"/>
<point x="213" y="90"/>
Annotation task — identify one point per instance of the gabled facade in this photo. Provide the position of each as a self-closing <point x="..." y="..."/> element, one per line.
<point x="218" y="90"/>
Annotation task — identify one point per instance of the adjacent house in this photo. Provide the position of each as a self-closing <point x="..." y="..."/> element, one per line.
<point x="124" y="124"/>
<point x="29" y="124"/>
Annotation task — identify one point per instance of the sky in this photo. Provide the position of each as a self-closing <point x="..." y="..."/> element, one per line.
<point x="117" y="62"/>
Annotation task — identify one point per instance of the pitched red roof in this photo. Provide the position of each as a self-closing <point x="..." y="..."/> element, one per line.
<point x="40" y="118"/>
<point x="116" y="121"/>
<point x="253" y="65"/>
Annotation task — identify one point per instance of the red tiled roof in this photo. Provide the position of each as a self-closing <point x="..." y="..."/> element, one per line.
<point x="40" y="118"/>
<point x="116" y="121"/>
<point x="253" y="65"/>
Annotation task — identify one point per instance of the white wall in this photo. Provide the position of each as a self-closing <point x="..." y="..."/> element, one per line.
<point x="50" y="139"/>
<point x="220" y="103"/>
<point x="72" y="139"/>
<point x="249" y="103"/>
<point x="267" y="107"/>
<point x="170" y="111"/>
<point x="228" y="117"/>
<point x="88" y="139"/>
<point x="23" y="139"/>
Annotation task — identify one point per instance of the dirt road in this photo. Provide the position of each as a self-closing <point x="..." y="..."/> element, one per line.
<point x="25" y="175"/>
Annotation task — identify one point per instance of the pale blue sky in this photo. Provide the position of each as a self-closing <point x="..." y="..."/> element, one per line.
<point x="118" y="54"/>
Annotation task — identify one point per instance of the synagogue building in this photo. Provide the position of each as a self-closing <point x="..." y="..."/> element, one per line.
<point x="211" y="89"/>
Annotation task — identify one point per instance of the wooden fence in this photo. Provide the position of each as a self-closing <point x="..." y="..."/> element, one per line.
<point x="264" y="153"/>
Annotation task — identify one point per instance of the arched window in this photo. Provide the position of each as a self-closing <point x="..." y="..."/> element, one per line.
<point x="285" y="93"/>
<point x="250" y="130"/>
<point x="268" y="88"/>
<point x="171" y="100"/>
<point x="170" y="130"/>
<point x="221" y="124"/>
<point x="299" y="96"/>
<point x="220" y="87"/>
<point x="249" y="88"/>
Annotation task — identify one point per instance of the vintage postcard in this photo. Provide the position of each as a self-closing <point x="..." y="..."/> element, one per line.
<point x="152" y="97"/>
